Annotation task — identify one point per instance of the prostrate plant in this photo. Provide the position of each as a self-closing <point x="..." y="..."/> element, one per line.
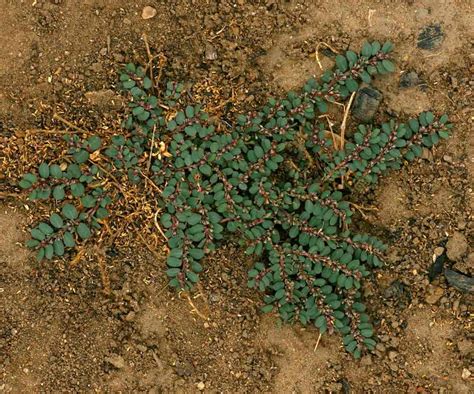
<point x="271" y="181"/>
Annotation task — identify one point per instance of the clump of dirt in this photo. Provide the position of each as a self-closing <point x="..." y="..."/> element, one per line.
<point x="60" y="332"/>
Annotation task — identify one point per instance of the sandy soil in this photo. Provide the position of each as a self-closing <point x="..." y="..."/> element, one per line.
<point x="60" y="333"/>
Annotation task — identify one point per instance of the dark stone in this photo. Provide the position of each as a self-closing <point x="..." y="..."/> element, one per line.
<point x="366" y="103"/>
<point x="409" y="79"/>
<point x="431" y="37"/>
<point x="184" y="369"/>
<point x="437" y="267"/>
<point x="399" y="293"/>
<point x="346" y="386"/>
<point x="459" y="281"/>
<point x="395" y="290"/>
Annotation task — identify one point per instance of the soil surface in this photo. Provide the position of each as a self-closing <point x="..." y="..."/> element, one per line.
<point x="59" y="332"/>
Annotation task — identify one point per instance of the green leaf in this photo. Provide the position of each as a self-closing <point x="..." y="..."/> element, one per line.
<point x="320" y="321"/>
<point x="351" y="57"/>
<point x="367" y="333"/>
<point x="101" y="213"/>
<point x="375" y="48"/>
<point x="429" y="117"/>
<point x="73" y="170"/>
<point x="143" y="116"/>
<point x="266" y="308"/>
<point x="180" y="118"/>
<point x="147" y="83"/>
<point x="387" y="47"/>
<point x="443" y="119"/>
<point x="58" y="192"/>
<point x="58" y="247"/>
<point x="49" y="251"/>
<point x="196" y="253"/>
<point x="37" y="234"/>
<point x="55" y="171"/>
<point x="68" y="240"/>
<point x="32" y="243"/>
<point x="45" y="228"/>
<point x="192" y="276"/>
<point x="94" y="142"/>
<point x="24" y="184"/>
<point x="190" y="130"/>
<point x="174" y="261"/>
<point x="69" y="211"/>
<point x="189" y="112"/>
<point x="128" y="84"/>
<point x="341" y="63"/>
<point x="81" y="156"/>
<point x="88" y="201"/>
<point x="351" y="85"/>
<point x="43" y="170"/>
<point x="83" y="230"/>
<point x="388" y="65"/>
<point x="40" y="254"/>
<point x="414" y="125"/>
<point x="77" y="189"/>
<point x="205" y="169"/>
<point x="366" y="49"/>
<point x="172" y="272"/>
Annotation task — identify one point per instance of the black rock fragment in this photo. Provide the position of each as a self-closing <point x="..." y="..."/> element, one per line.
<point x="459" y="281"/>
<point x="431" y="37"/>
<point x="366" y="103"/>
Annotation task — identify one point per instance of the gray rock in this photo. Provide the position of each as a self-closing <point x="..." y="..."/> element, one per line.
<point x="431" y="37"/>
<point x="456" y="246"/>
<point x="116" y="361"/>
<point x="409" y="79"/>
<point x="465" y="347"/>
<point x="459" y="281"/>
<point x="434" y="295"/>
<point x="104" y="99"/>
<point x="210" y="53"/>
<point x="366" y="104"/>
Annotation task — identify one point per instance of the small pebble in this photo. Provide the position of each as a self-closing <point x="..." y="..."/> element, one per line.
<point x="459" y="281"/>
<point x="201" y="386"/>
<point x="366" y="360"/>
<point x="431" y="37"/>
<point x="366" y="104"/>
<point x="148" y="12"/>
<point x="116" y="360"/>
<point x="438" y="251"/>
<point x="465" y="374"/>
<point x="409" y="79"/>
<point x="456" y="246"/>
<point x="435" y="293"/>
<point x="211" y="53"/>
<point x="447" y="159"/>
<point x="456" y="305"/>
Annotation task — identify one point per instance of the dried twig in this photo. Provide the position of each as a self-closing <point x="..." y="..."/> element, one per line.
<point x="317" y="52"/>
<point x="344" y="120"/>
<point x="150" y="59"/>
<point x="195" y="309"/>
<point x="7" y="194"/>
<point x="158" y="225"/>
<point x="52" y="131"/>
<point x="69" y="124"/>
<point x="331" y="132"/>
<point x="151" y="182"/>
<point x="317" y="342"/>
<point x="100" y="253"/>
<point x="151" y="149"/>
<point x="361" y="209"/>
<point x="116" y="183"/>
